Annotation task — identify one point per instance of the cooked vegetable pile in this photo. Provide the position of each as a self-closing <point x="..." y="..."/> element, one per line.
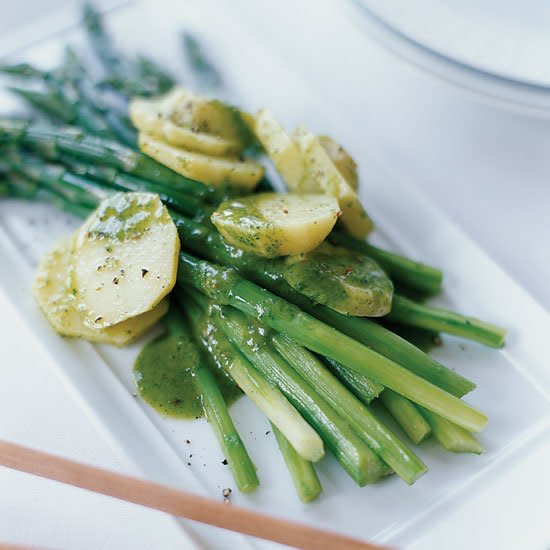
<point x="275" y="293"/>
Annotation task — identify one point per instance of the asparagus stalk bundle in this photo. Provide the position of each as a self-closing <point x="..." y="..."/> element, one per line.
<point x="313" y="371"/>
<point x="216" y="412"/>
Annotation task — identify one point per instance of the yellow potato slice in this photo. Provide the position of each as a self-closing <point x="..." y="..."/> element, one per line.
<point x="209" y="116"/>
<point x="343" y="280"/>
<point x="280" y="147"/>
<point x="276" y="224"/>
<point x="322" y="176"/>
<point x="342" y="160"/>
<point x="154" y="117"/>
<point x="56" y="297"/>
<point x="125" y="259"/>
<point x="214" y="171"/>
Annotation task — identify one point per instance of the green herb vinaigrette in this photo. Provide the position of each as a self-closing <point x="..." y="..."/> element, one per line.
<point x="126" y="216"/>
<point x="248" y="226"/>
<point x="164" y="375"/>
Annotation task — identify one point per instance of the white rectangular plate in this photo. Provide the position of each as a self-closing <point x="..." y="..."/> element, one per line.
<point x="512" y="383"/>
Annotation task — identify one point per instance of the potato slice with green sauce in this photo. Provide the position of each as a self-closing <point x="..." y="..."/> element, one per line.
<point x="342" y="160"/>
<point x="214" y="117"/>
<point x="125" y="259"/>
<point x="155" y="117"/>
<point x="54" y="293"/>
<point x="280" y="147"/>
<point x="215" y="171"/>
<point x="276" y="224"/>
<point x="322" y="176"/>
<point x="346" y="281"/>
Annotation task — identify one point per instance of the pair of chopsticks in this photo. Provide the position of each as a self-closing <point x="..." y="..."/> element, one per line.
<point x="171" y="501"/>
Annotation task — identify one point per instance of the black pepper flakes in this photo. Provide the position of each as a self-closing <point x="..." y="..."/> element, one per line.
<point x="224" y="461"/>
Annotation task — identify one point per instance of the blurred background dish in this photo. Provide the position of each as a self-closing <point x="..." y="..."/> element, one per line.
<point x="506" y="41"/>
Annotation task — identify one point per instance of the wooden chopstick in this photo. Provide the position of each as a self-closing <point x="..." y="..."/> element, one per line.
<point x="171" y="501"/>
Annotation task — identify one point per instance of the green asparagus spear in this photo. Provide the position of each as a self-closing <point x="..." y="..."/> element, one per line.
<point x="22" y="188"/>
<point x="411" y="313"/>
<point x="410" y="273"/>
<point x="216" y="413"/>
<point x="381" y="440"/>
<point x="131" y="87"/>
<point x="63" y="99"/>
<point x="201" y="192"/>
<point x="124" y="76"/>
<point x="406" y="415"/>
<point x="354" y="455"/>
<point x="362" y="387"/>
<point x="94" y="116"/>
<point x="450" y="436"/>
<point x="392" y="346"/>
<point x="150" y="70"/>
<point x="226" y="286"/>
<point x="266" y="397"/>
<point x="102" y="44"/>
<point x="91" y="192"/>
<point x="49" y="103"/>
<point x="92" y="149"/>
<point x="204" y="240"/>
<point x="73" y="188"/>
<point x="22" y="70"/>
<point x="207" y="75"/>
<point x="303" y="473"/>
<point x="215" y="409"/>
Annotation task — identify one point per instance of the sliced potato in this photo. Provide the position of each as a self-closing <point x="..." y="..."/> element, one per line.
<point x="342" y="160"/>
<point x="345" y="281"/>
<point x="276" y="224"/>
<point x="209" y="116"/>
<point x="130" y="330"/>
<point x="54" y="293"/>
<point x="210" y="170"/>
<point x="202" y="143"/>
<point x="281" y="149"/>
<point x="322" y="176"/>
<point x="125" y="259"/>
<point x="56" y="297"/>
<point x="154" y="117"/>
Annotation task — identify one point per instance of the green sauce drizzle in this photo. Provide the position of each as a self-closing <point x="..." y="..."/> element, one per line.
<point x="127" y="216"/>
<point x="164" y="374"/>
